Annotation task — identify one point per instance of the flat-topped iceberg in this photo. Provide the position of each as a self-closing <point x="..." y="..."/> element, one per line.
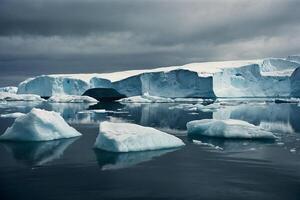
<point x="39" y="125"/>
<point x="126" y="137"/>
<point x="71" y="99"/>
<point x="6" y="96"/>
<point x="229" y="128"/>
<point x="268" y="77"/>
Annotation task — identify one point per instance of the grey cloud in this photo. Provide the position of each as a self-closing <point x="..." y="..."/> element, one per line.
<point x="111" y="35"/>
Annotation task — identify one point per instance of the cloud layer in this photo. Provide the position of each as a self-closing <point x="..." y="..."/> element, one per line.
<point x="109" y="35"/>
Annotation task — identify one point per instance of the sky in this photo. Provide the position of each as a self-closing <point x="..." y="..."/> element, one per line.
<point x="57" y="36"/>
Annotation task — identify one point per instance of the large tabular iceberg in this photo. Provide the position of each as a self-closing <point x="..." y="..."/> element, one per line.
<point x="39" y="125"/>
<point x="228" y="129"/>
<point x="268" y="77"/>
<point x="126" y="137"/>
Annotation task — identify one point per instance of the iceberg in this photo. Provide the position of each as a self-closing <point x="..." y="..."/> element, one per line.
<point x="71" y="99"/>
<point x="228" y="129"/>
<point x="269" y="77"/>
<point x="9" y="89"/>
<point x="39" y="125"/>
<point x="6" y="96"/>
<point x="126" y="137"/>
<point x="12" y="115"/>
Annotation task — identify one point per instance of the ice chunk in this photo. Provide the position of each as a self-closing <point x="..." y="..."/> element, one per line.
<point x="206" y="144"/>
<point x="12" y="115"/>
<point x="146" y="98"/>
<point x="39" y="125"/>
<point x="71" y="99"/>
<point x="9" y="89"/>
<point x="126" y="137"/>
<point x="228" y="129"/>
<point x="6" y="96"/>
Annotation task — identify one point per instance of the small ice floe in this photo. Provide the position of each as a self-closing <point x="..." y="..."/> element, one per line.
<point x="9" y="89"/>
<point x="190" y="100"/>
<point x="12" y="115"/>
<point x="146" y="98"/>
<point x="207" y="144"/>
<point x="95" y="111"/>
<point x="71" y="99"/>
<point x="92" y="111"/>
<point x="208" y="108"/>
<point x="126" y="137"/>
<point x="6" y="96"/>
<point x="293" y="150"/>
<point x="228" y="129"/>
<point x="197" y="107"/>
<point x="291" y="100"/>
<point x="280" y="143"/>
<point x="39" y="125"/>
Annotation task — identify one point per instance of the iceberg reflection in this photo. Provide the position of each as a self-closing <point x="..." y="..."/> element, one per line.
<point x="111" y="161"/>
<point x="38" y="153"/>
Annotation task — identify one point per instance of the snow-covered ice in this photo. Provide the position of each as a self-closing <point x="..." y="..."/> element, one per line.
<point x="6" y="96"/>
<point x="71" y="99"/>
<point x="12" y="115"/>
<point x="126" y="137"/>
<point x="228" y="129"/>
<point x="9" y="89"/>
<point x="39" y="125"/>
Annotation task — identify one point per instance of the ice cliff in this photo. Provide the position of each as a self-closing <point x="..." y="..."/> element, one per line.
<point x="245" y="78"/>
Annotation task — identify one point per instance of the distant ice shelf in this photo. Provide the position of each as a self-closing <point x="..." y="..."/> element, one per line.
<point x="269" y="77"/>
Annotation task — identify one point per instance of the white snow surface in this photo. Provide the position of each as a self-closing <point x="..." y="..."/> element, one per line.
<point x="6" y="96"/>
<point x="71" y="99"/>
<point x="39" y="125"/>
<point x="228" y="129"/>
<point x="242" y="78"/>
<point x="126" y="137"/>
<point x="12" y="115"/>
<point x="9" y="89"/>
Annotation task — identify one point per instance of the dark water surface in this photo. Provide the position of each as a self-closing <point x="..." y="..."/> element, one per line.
<point x="237" y="169"/>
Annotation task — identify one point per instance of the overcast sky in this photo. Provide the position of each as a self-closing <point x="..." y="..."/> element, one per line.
<point x="99" y="36"/>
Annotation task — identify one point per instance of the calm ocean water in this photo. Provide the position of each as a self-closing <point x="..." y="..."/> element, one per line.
<point x="73" y="169"/>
